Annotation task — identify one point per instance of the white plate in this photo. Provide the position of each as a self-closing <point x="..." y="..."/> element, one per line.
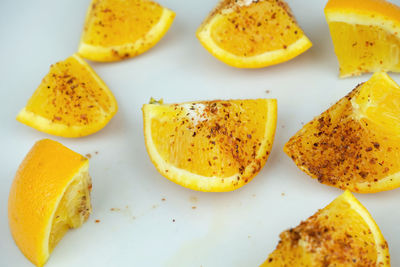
<point x="239" y="228"/>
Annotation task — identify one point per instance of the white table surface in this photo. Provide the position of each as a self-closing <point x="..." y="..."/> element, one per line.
<point x="239" y="228"/>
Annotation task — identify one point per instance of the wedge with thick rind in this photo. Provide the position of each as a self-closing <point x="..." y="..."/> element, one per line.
<point x="341" y="234"/>
<point x="210" y="137"/>
<point x="227" y="25"/>
<point x="365" y="34"/>
<point x="50" y="194"/>
<point x="71" y="101"/>
<point x="350" y="146"/>
<point x="105" y="47"/>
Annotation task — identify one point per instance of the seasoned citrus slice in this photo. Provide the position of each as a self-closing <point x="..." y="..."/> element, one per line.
<point x="366" y="35"/>
<point x="49" y="195"/>
<point x="354" y="144"/>
<point x="210" y="146"/>
<point x="119" y="29"/>
<point x="341" y="234"/>
<point x="252" y="34"/>
<point x="71" y="101"/>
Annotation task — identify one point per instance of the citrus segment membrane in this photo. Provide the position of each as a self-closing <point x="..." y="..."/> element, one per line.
<point x="73" y="210"/>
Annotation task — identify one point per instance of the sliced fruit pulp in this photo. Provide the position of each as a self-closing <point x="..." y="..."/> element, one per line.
<point x="364" y="48"/>
<point x="101" y="28"/>
<point x="255" y="29"/>
<point x="379" y="103"/>
<point x="340" y="149"/>
<point x="70" y="95"/>
<point x="222" y="138"/>
<point x="73" y="209"/>
<point x="342" y="234"/>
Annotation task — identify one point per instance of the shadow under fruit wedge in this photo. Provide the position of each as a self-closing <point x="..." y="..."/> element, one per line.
<point x="355" y="144"/>
<point x="49" y="195"/>
<point x="119" y="29"/>
<point x="252" y="34"/>
<point x="365" y="34"/>
<point x="210" y="146"/>
<point x="341" y="234"/>
<point x="71" y="101"/>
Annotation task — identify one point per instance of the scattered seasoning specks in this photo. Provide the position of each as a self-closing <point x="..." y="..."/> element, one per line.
<point x="339" y="150"/>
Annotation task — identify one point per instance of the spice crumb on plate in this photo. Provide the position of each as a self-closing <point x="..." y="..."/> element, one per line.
<point x="115" y="209"/>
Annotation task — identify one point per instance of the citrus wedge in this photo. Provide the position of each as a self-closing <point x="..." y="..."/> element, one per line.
<point x="341" y="234"/>
<point x="365" y="34"/>
<point x="71" y="101"/>
<point x="119" y="29"/>
<point x="49" y="195"/>
<point x="252" y="34"/>
<point x="210" y="146"/>
<point x="354" y="144"/>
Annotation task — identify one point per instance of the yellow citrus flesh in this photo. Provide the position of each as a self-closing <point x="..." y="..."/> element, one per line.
<point x="365" y="34"/>
<point x="252" y="35"/>
<point x="74" y="208"/>
<point x="341" y="234"/>
<point x="71" y="101"/>
<point x="210" y="146"/>
<point x="378" y="104"/>
<point x="50" y="194"/>
<point x="354" y="144"/>
<point x="119" y="29"/>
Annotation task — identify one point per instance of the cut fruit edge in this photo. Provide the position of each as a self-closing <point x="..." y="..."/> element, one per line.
<point x="382" y="254"/>
<point x="257" y="61"/>
<point x="58" y="129"/>
<point x="46" y="240"/>
<point x="365" y="19"/>
<point x="48" y="126"/>
<point x="386" y="183"/>
<point x="213" y="183"/>
<point x="93" y="52"/>
<point x="377" y="77"/>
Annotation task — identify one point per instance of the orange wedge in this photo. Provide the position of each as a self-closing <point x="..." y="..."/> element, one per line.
<point x="366" y="35"/>
<point x="119" y="29"/>
<point x="49" y="195"/>
<point x="252" y="34"/>
<point x="71" y="101"/>
<point x="211" y="146"/>
<point x="355" y="143"/>
<point x="341" y="234"/>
